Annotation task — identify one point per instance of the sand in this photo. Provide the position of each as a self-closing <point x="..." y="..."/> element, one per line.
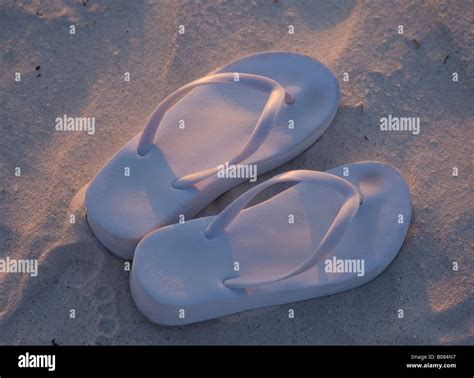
<point x="404" y="75"/>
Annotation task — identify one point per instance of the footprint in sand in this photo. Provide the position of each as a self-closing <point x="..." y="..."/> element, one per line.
<point x="107" y="325"/>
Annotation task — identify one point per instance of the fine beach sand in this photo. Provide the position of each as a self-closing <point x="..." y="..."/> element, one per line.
<point x="407" y="75"/>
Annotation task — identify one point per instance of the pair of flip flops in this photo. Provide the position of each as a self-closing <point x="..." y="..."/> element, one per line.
<point x="329" y="232"/>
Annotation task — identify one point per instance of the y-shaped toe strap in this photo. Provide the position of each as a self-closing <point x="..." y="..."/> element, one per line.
<point x="278" y="95"/>
<point x="339" y="225"/>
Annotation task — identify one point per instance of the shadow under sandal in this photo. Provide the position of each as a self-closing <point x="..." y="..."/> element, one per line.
<point x="274" y="106"/>
<point x="330" y="232"/>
